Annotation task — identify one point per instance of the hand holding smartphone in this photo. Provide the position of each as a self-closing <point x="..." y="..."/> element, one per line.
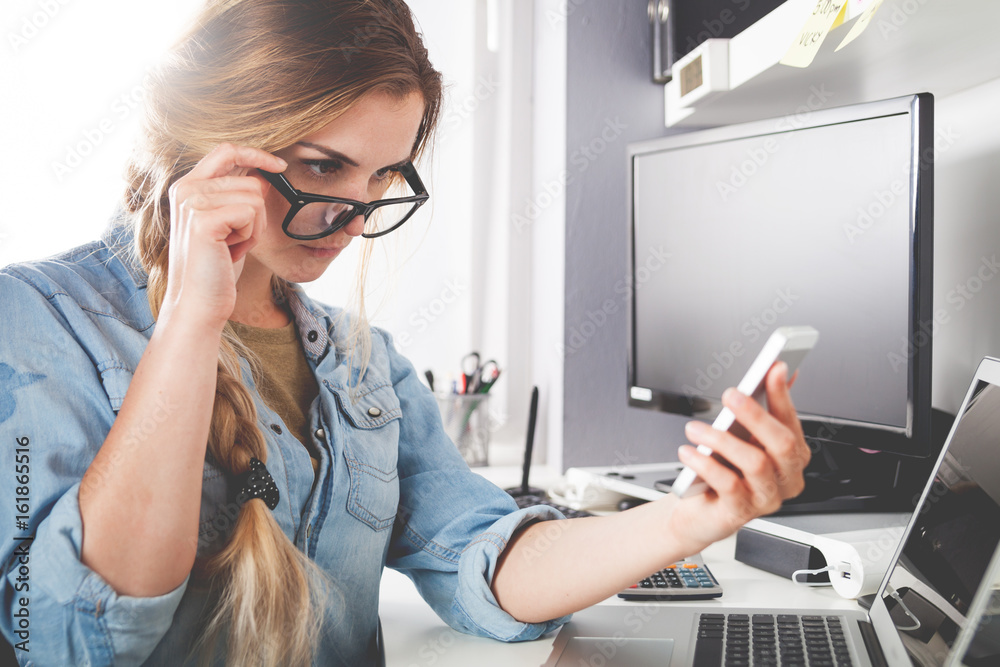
<point x="788" y="344"/>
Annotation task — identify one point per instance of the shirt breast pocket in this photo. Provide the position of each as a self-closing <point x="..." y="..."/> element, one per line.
<point x="115" y="378"/>
<point x="371" y="450"/>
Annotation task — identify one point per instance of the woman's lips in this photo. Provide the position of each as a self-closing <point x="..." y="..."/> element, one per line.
<point x="323" y="253"/>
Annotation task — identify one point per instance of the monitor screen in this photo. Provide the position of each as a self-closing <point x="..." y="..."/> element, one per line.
<point x="823" y="221"/>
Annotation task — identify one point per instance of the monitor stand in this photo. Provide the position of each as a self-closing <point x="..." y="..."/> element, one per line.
<point x="841" y="478"/>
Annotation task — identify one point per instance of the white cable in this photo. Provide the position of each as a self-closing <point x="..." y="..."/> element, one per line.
<point x="912" y="628"/>
<point x="798" y="573"/>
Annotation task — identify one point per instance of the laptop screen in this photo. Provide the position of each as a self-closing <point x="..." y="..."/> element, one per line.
<point x="951" y="544"/>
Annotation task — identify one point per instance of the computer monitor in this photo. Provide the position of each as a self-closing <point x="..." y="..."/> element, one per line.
<point x="821" y="219"/>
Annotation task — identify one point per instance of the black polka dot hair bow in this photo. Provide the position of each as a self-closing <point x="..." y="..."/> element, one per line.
<point x="258" y="483"/>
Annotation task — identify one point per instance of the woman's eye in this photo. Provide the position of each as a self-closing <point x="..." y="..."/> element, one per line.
<point x="386" y="176"/>
<point x="322" y="167"/>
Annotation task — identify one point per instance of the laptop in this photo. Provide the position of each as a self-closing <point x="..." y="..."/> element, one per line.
<point x="937" y="606"/>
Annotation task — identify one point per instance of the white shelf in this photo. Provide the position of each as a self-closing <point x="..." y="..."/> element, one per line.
<point x="911" y="46"/>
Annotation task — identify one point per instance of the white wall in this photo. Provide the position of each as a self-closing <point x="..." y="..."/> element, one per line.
<point x="966" y="239"/>
<point x="71" y="73"/>
<point x="544" y="217"/>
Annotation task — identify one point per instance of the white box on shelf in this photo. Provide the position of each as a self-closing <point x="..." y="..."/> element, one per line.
<point x="701" y="73"/>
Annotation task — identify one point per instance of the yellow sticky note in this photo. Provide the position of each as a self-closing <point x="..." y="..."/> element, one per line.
<point x="860" y="24"/>
<point x="856" y="8"/>
<point x="811" y="37"/>
<point x="841" y="17"/>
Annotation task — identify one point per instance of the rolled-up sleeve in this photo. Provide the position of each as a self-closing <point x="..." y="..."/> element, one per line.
<point x="74" y="617"/>
<point x="452" y="524"/>
<point x="474" y="598"/>
<point x="55" y="412"/>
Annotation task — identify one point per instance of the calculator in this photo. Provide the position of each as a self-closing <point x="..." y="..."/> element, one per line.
<point x="689" y="579"/>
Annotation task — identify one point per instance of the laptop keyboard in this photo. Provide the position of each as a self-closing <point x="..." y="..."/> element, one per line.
<point x="768" y="640"/>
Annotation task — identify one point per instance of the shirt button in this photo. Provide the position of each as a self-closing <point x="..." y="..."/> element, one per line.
<point x="276" y="428"/>
<point x="374" y="412"/>
<point x="309" y="530"/>
<point x="312" y="336"/>
<point x="321" y="434"/>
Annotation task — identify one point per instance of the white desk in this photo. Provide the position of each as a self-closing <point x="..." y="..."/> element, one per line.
<point x="416" y="637"/>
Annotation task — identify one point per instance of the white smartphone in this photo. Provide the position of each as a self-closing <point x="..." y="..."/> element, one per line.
<point x="788" y="344"/>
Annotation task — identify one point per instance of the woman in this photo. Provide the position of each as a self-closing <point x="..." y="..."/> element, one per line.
<point x="219" y="466"/>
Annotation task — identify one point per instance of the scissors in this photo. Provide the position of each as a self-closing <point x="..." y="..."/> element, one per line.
<point x="486" y="377"/>
<point x="470" y="366"/>
<point x="478" y="376"/>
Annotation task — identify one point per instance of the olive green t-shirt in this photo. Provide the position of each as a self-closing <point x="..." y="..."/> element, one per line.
<point x="288" y="385"/>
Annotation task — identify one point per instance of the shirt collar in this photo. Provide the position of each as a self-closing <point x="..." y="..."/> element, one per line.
<point x="119" y="237"/>
<point x="316" y="330"/>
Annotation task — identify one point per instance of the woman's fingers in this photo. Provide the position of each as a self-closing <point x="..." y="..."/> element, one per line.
<point x="727" y="484"/>
<point x="228" y="160"/>
<point x="228" y="216"/>
<point x="217" y="216"/>
<point x="187" y="188"/>
<point x="795" y="376"/>
<point x="746" y="479"/>
<point x="771" y="469"/>
<point x="781" y="439"/>
<point x="753" y="485"/>
<point x="779" y="400"/>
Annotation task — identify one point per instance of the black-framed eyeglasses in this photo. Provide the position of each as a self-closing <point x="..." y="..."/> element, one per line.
<point x="313" y="216"/>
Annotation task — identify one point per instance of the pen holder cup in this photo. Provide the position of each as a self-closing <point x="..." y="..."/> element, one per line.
<point x="466" y="419"/>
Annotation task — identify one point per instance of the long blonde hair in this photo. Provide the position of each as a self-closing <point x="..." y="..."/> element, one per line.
<point x="263" y="73"/>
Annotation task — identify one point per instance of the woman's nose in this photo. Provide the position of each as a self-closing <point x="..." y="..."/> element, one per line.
<point x="356" y="226"/>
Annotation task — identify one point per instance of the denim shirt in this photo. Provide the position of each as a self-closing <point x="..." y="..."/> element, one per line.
<point x="391" y="488"/>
